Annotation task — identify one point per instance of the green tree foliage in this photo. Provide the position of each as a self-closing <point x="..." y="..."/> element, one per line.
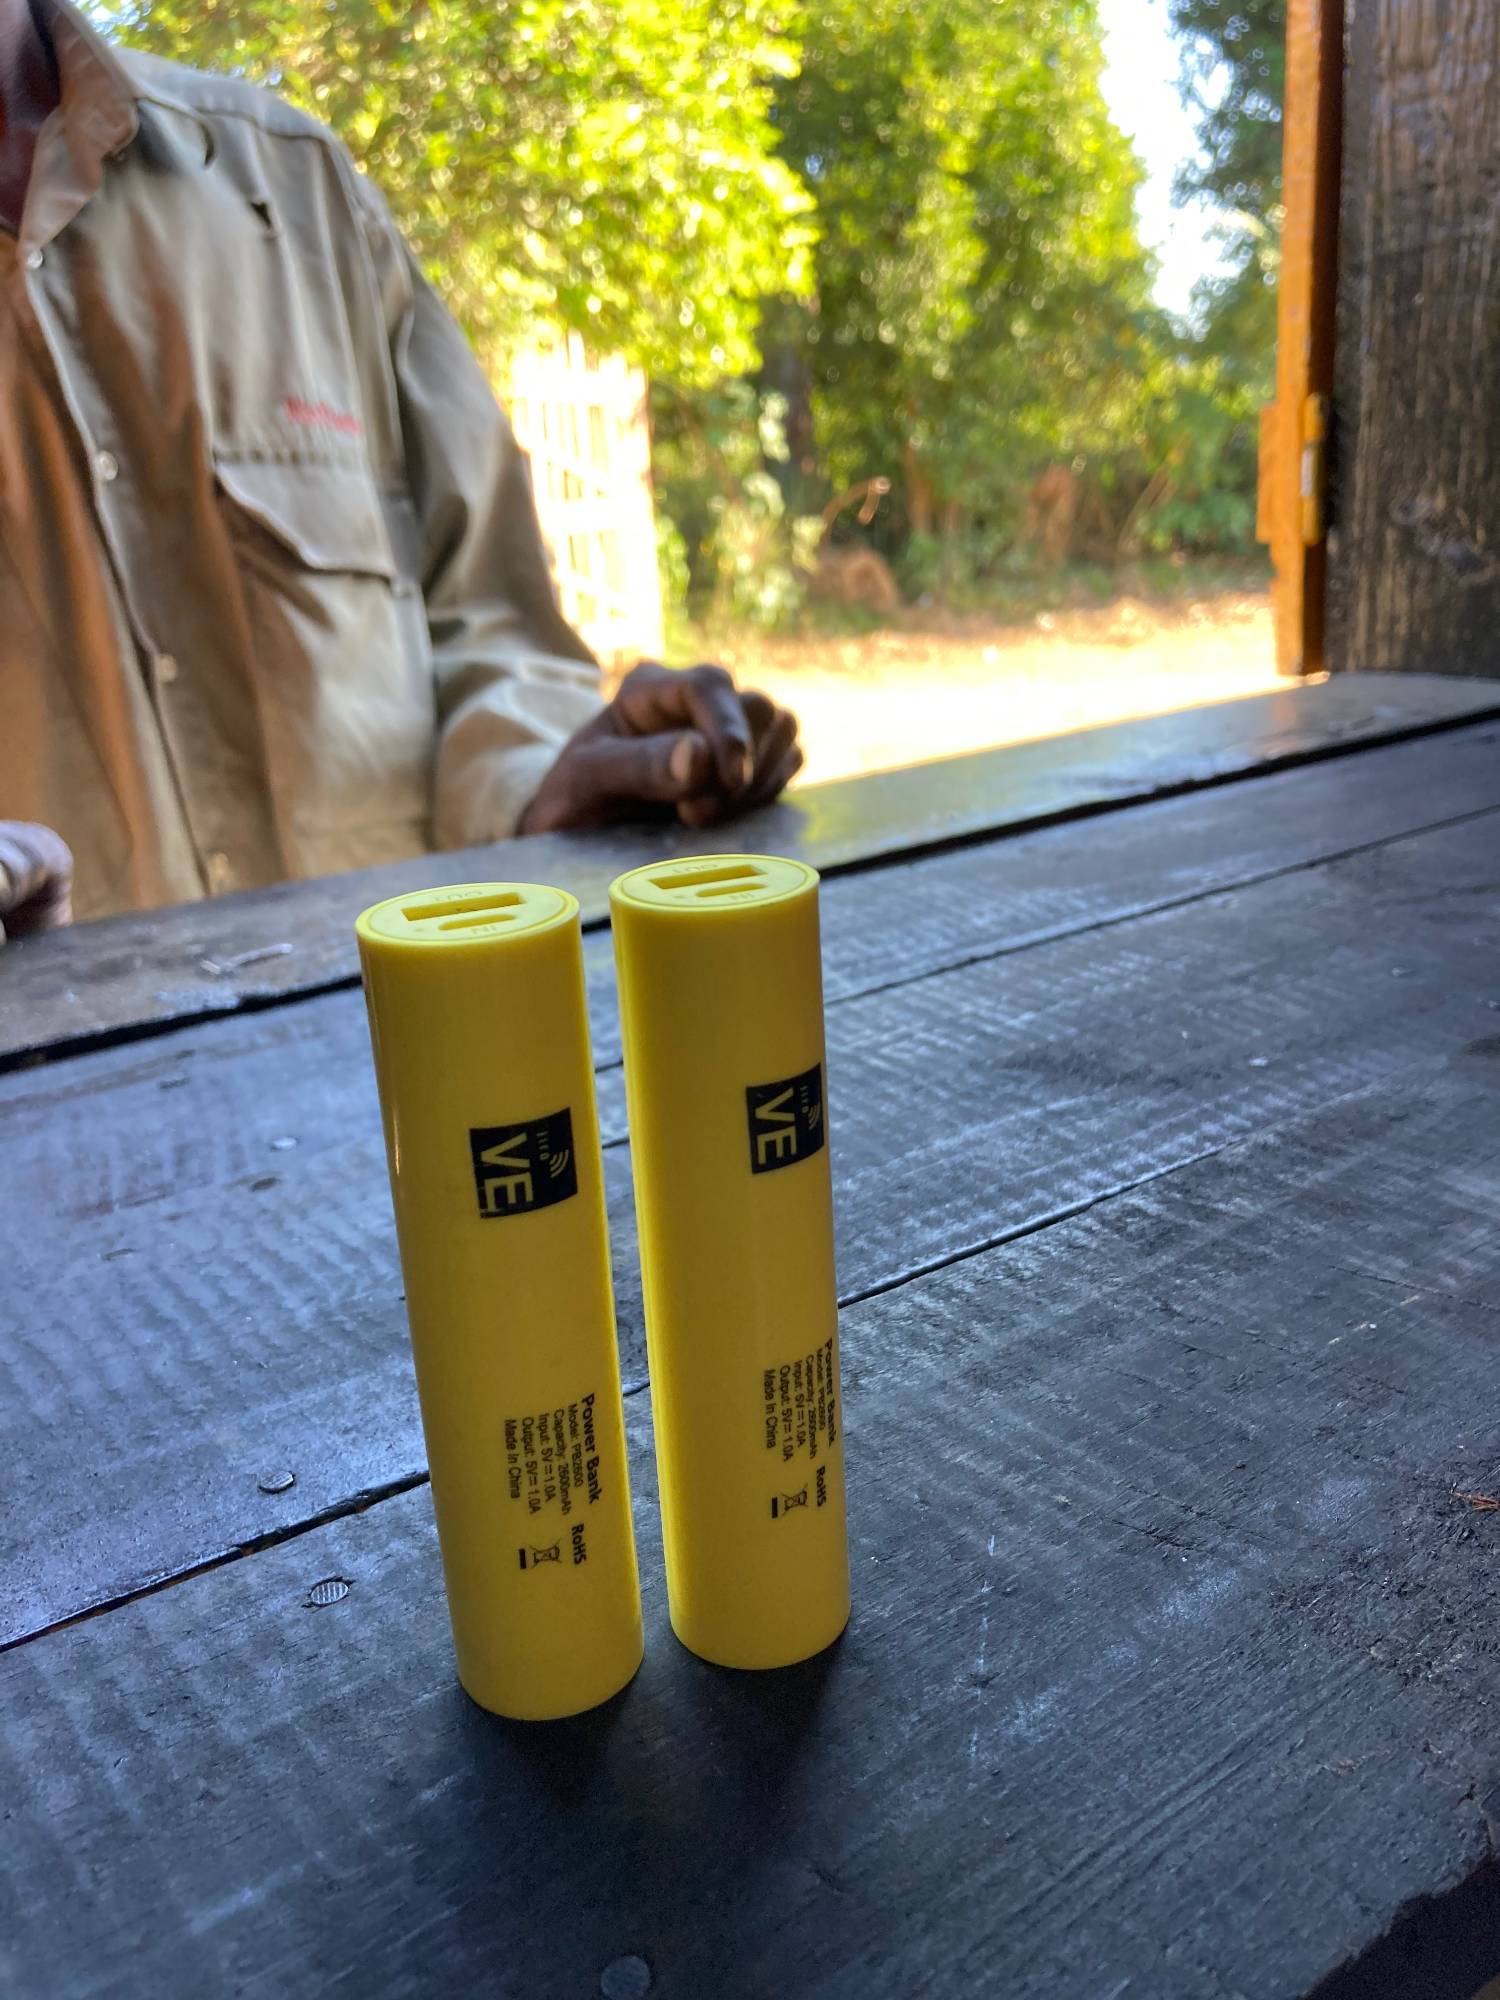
<point x="849" y="240"/>
<point x="605" y="165"/>
<point x="1234" y="76"/>
<point x="980" y="316"/>
<point x="981" y="294"/>
<point x="745" y="552"/>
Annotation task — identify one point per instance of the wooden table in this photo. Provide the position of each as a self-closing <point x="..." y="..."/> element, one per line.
<point x="1165" y="1074"/>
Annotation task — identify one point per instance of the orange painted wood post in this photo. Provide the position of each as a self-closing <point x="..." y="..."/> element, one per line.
<point x="1291" y="501"/>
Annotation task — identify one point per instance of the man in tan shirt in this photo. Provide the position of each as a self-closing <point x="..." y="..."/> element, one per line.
<point x="273" y="598"/>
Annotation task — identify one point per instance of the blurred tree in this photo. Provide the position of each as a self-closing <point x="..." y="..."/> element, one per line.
<point x="847" y="239"/>
<point x="981" y="293"/>
<point x="746" y="552"/>
<point x="1201" y="440"/>
<point x="1234" y="77"/>
<point x="603" y="165"/>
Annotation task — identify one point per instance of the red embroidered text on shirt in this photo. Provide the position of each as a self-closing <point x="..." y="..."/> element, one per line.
<point x="302" y="412"/>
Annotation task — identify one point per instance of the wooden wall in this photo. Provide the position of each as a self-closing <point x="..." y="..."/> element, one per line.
<point x="1414" y="557"/>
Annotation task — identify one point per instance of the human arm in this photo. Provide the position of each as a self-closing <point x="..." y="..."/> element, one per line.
<point x="526" y="742"/>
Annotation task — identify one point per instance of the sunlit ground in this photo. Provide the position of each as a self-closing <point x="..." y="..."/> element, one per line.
<point x="901" y="696"/>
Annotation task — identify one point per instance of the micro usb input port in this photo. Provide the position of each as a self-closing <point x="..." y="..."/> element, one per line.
<point x="730" y="879"/>
<point x="465" y="909"/>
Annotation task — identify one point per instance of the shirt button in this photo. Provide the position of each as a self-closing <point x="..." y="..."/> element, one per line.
<point x="166" y="669"/>
<point x="107" y="466"/>
<point x="220" y="874"/>
<point x="34" y="260"/>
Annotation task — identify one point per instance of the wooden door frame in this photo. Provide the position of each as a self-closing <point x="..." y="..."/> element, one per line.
<point x="1291" y="512"/>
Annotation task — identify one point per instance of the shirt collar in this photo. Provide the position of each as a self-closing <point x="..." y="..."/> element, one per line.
<point x="98" y="91"/>
<point x="96" y="117"/>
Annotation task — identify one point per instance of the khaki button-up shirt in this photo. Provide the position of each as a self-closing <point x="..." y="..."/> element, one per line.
<point x="273" y="599"/>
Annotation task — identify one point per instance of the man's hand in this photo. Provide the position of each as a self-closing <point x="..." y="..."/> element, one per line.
<point x="688" y="741"/>
<point x="36" y="879"/>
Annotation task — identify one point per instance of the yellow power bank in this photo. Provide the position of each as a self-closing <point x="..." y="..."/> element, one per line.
<point x="721" y="1000"/>
<point x="477" y="1017"/>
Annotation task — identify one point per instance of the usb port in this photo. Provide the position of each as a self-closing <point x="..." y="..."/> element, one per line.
<point x="733" y="878"/>
<point x="417" y="913"/>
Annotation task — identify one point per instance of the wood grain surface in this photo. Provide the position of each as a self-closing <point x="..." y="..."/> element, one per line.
<point x="1167" y="1152"/>
<point x="1169" y="1673"/>
<point x="1414" y="571"/>
<point x="202" y="1229"/>
<point x="134" y="975"/>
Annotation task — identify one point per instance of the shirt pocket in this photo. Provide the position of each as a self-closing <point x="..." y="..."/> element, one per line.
<point x="340" y="658"/>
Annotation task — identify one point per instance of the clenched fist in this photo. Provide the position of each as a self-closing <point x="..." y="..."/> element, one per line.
<point x="689" y="740"/>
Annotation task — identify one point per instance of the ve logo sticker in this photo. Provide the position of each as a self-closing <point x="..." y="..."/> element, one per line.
<point x="786" y="1120"/>
<point x="521" y="1167"/>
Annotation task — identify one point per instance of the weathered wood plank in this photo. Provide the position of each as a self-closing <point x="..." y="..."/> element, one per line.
<point x="132" y="975"/>
<point x="880" y="928"/>
<point x="204" y="1307"/>
<point x="1167" y="1674"/>
<point x="1414" y="569"/>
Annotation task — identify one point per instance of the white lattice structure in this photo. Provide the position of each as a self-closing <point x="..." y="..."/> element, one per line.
<point x="583" y="421"/>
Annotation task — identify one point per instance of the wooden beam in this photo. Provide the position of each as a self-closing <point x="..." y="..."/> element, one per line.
<point x="1291" y="510"/>
<point x="143" y="974"/>
<point x="1415" y="559"/>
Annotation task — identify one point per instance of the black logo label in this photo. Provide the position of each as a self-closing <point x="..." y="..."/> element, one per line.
<point x="786" y="1120"/>
<point x="521" y="1167"/>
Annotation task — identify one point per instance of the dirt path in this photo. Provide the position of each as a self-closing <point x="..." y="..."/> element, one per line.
<point x="901" y="695"/>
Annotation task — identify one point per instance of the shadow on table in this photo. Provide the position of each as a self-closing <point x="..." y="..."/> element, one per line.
<point x="1441" y="1948"/>
<point x="684" y="1797"/>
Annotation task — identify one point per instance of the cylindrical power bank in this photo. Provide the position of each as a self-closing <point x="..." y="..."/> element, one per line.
<point x="477" y="1017"/>
<point x="721" y="998"/>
